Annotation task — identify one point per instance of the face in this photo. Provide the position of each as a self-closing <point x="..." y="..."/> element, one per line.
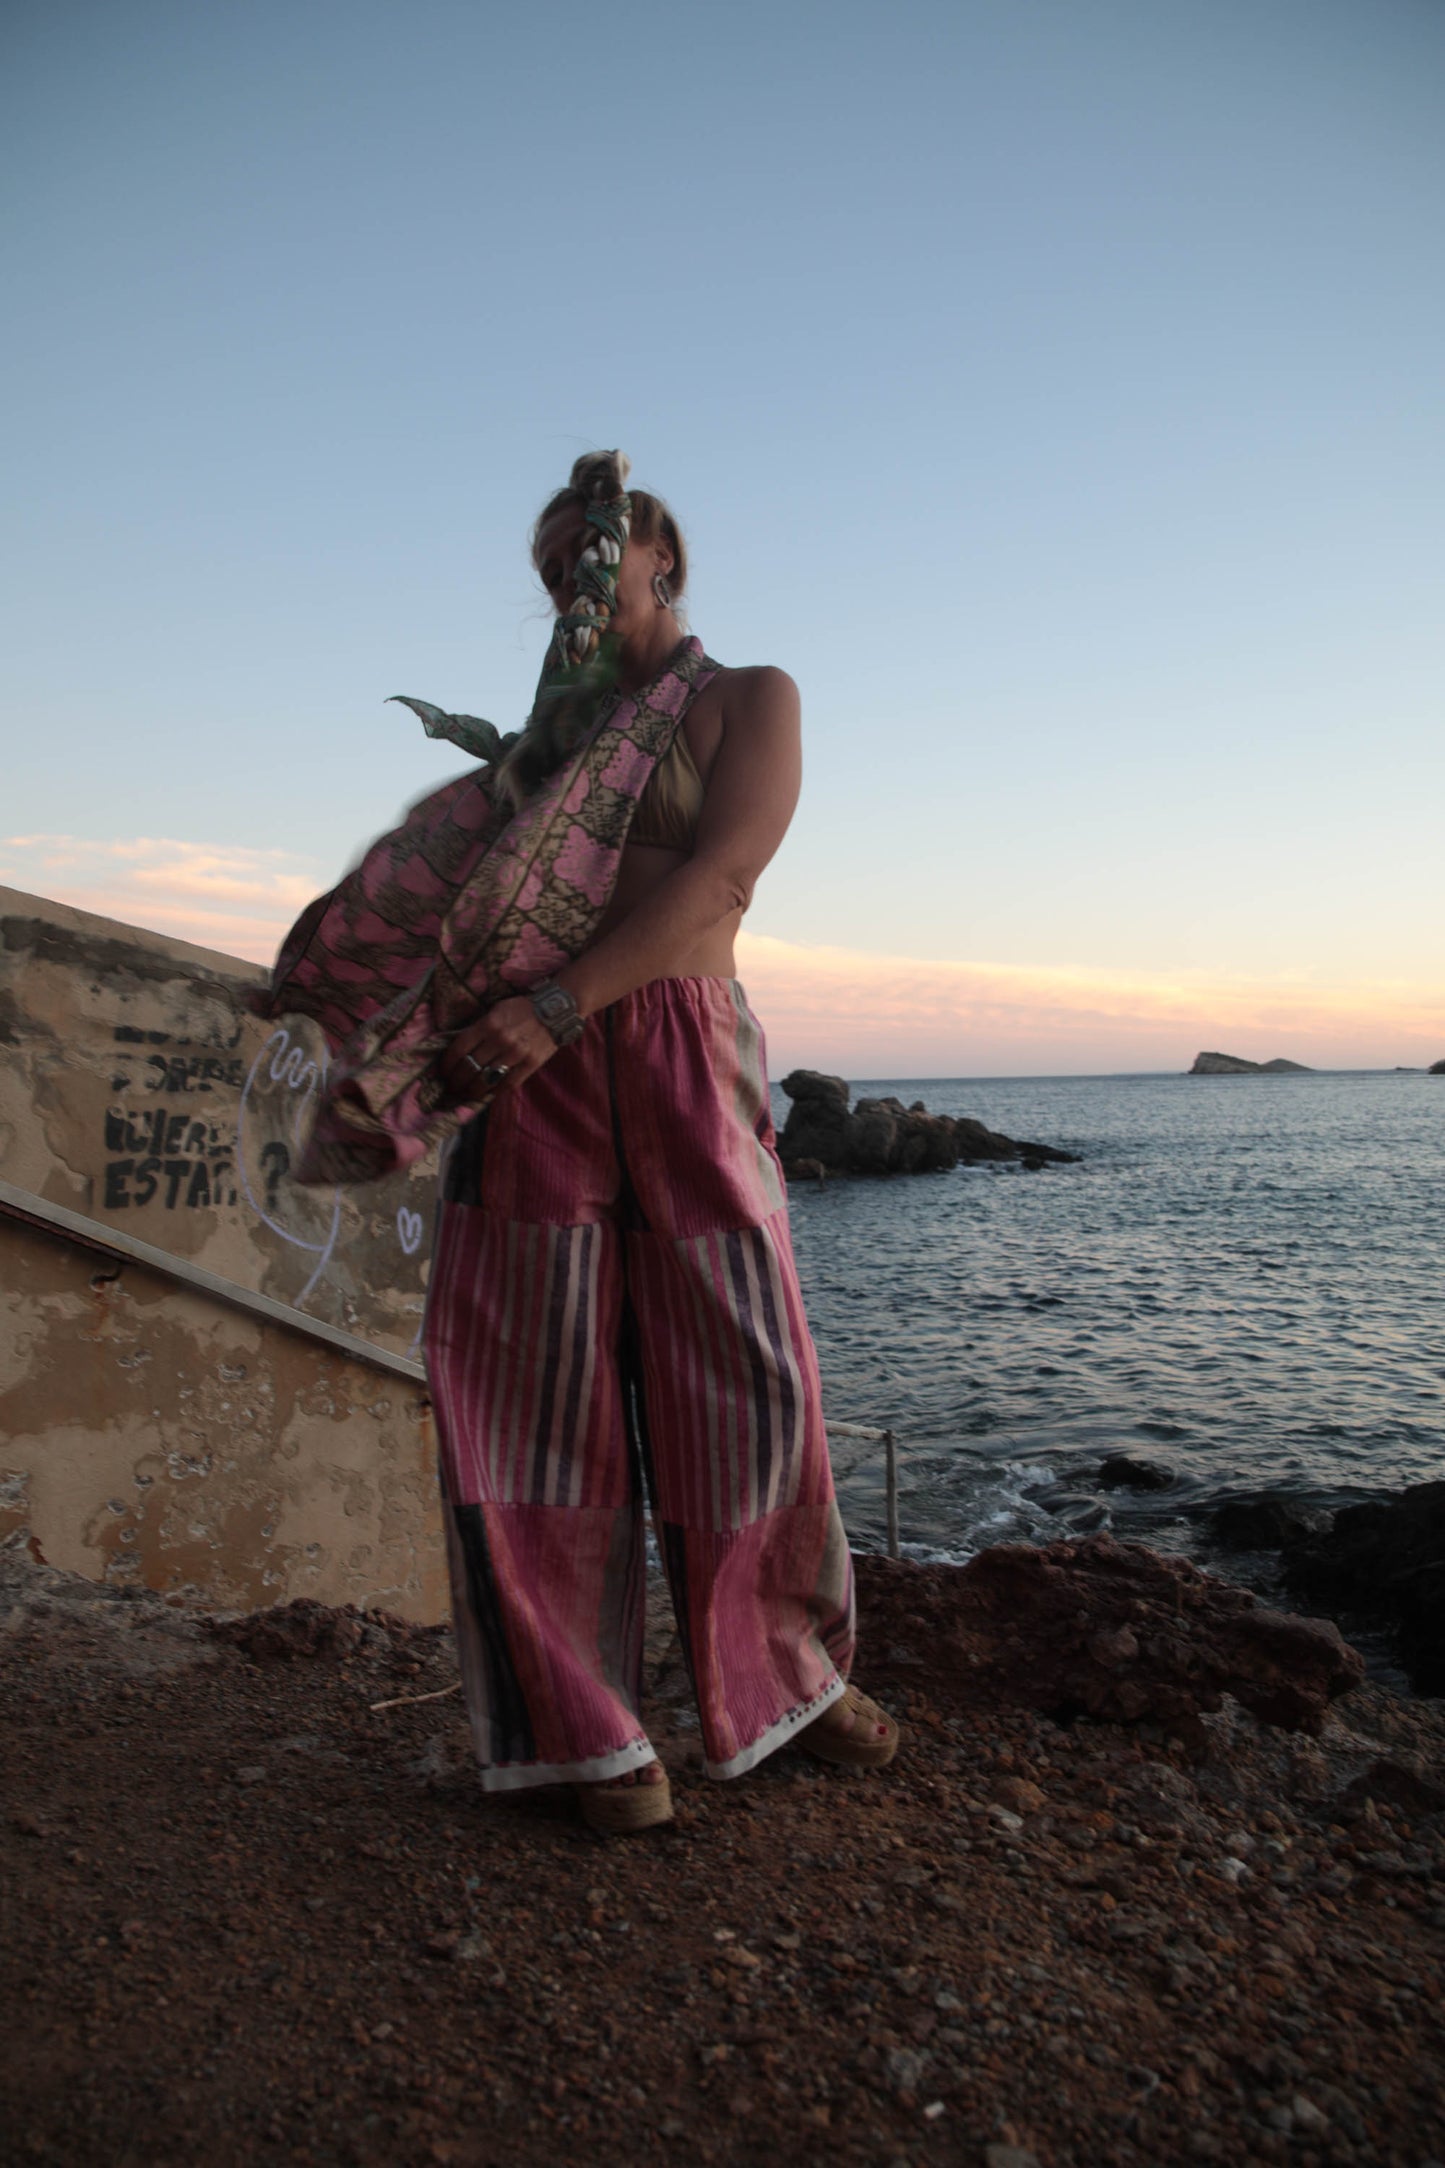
<point x="560" y="544"/>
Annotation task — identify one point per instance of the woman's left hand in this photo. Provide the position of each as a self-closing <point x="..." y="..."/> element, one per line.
<point x="511" y="1037"/>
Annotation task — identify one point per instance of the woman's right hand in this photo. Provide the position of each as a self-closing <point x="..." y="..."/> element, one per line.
<point x="510" y="1038"/>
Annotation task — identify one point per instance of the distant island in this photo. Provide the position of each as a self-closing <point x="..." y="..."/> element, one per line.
<point x="1236" y="1065"/>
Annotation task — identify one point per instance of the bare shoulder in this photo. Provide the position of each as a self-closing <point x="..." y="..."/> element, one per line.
<point x="761" y="695"/>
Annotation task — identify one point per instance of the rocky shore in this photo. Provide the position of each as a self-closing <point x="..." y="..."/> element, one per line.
<point x="1154" y="1878"/>
<point x="1381" y="1563"/>
<point x="823" y="1135"/>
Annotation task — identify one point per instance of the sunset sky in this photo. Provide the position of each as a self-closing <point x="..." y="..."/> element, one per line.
<point x="1055" y="390"/>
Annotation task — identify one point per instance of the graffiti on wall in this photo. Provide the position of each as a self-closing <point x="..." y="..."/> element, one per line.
<point x="180" y="1157"/>
<point x="164" y="1146"/>
<point x="281" y="1083"/>
<point x="137" y="1088"/>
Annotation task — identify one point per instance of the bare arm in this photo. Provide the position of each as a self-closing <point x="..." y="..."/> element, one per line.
<point x="751" y="794"/>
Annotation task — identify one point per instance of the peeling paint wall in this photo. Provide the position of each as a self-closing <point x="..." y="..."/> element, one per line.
<point x="148" y="1432"/>
<point x="151" y="1435"/>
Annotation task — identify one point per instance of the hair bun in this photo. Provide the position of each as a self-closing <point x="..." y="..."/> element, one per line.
<point x="600" y="476"/>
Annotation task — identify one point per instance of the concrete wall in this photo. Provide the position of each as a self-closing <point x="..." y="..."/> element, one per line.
<point x="149" y="1432"/>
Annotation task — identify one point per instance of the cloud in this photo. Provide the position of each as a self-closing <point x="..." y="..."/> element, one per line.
<point x="221" y="896"/>
<point x="881" y="1015"/>
<point x="849" y="1010"/>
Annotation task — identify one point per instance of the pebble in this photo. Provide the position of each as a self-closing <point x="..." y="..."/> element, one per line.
<point x="1020" y="1793"/>
<point x="1009" y="2156"/>
<point x="905" y="2068"/>
<point x="253" y="1773"/>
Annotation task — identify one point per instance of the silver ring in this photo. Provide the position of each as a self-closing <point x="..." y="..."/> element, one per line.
<point x="473" y="1063"/>
<point x="495" y="1073"/>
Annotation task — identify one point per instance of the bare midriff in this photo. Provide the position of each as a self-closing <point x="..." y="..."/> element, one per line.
<point x="644" y="867"/>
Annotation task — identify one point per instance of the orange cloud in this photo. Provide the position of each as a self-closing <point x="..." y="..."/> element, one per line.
<point x="869" y="1015"/>
<point x="221" y="896"/>
<point x="848" y="1010"/>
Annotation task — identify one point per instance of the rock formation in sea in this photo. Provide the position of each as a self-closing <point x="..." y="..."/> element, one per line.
<point x="823" y="1135"/>
<point x="1236" y="1065"/>
<point x="1436" y="1068"/>
<point x="1125" y="1471"/>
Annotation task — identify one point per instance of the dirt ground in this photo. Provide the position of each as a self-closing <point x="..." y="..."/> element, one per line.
<point x="248" y="1917"/>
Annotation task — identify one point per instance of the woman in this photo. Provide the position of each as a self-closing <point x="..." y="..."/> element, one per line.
<point x="613" y="1295"/>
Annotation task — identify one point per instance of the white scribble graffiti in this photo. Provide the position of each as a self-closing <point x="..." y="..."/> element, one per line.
<point x="297" y="1073"/>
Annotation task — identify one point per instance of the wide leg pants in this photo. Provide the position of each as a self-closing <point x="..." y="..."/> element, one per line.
<point x="614" y="1302"/>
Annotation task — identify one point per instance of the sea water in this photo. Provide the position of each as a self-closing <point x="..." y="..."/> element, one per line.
<point x="1242" y="1281"/>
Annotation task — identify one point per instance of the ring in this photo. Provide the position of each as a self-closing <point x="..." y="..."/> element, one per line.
<point x="473" y="1063"/>
<point x="494" y="1073"/>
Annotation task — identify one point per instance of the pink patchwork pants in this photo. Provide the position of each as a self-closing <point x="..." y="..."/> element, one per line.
<point x="614" y="1302"/>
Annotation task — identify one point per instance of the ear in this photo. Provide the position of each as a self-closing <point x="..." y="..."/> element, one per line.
<point x="662" y="557"/>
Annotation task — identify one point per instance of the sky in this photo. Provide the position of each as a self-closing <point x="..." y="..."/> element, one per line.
<point x="1054" y="387"/>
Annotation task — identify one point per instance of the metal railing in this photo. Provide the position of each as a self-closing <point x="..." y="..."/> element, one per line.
<point x="890" y="1469"/>
<point x="24" y="1205"/>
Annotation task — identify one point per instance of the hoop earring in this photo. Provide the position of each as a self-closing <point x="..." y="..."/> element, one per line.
<point x="662" y="593"/>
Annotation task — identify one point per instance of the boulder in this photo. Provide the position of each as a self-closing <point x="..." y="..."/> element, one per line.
<point x="819" y="1125"/>
<point x="877" y="1136"/>
<point x="1436" y="1068"/>
<point x="1269" y="1522"/>
<point x="1384" y="1562"/>
<point x="882" y="1136"/>
<point x="805" y="1086"/>
<point x="1104" y="1629"/>
<point x="932" y="1142"/>
<point x="1121" y="1471"/>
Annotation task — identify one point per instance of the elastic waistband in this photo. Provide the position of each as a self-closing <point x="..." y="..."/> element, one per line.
<point x="702" y="991"/>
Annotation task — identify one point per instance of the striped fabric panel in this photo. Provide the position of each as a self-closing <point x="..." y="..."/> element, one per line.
<point x="769" y="1623"/>
<point x="552" y="1686"/>
<point x="729" y="1375"/>
<point x="496" y="1704"/>
<point x="521" y="1332"/>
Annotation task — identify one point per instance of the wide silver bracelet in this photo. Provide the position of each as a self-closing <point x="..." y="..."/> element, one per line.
<point x="557" y="1010"/>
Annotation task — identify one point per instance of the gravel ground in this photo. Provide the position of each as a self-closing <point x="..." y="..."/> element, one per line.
<point x="248" y="1917"/>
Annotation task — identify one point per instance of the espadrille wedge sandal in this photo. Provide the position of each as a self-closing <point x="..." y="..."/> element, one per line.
<point x="618" y="1809"/>
<point x="869" y="1742"/>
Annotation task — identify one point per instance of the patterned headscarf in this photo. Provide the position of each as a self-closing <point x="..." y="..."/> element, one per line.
<point x="579" y="668"/>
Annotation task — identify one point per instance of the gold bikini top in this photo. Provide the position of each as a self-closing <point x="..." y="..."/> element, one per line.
<point x="671" y="803"/>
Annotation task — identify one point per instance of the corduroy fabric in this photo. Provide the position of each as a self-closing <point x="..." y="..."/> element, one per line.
<point x="614" y="1307"/>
